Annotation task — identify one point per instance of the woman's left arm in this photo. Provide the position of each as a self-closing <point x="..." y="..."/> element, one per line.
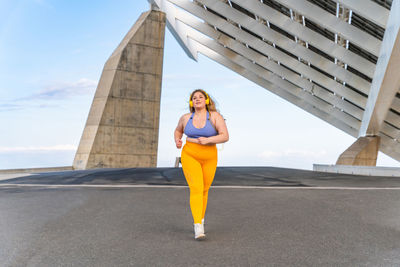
<point x="223" y="135"/>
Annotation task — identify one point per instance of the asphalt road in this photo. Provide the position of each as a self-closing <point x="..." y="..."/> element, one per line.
<point x="139" y="217"/>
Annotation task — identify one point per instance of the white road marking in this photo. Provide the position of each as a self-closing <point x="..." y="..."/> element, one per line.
<point x="8" y="176"/>
<point x="214" y="186"/>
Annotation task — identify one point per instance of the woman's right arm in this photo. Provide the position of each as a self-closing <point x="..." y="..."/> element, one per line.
<point x="179" y="133"/>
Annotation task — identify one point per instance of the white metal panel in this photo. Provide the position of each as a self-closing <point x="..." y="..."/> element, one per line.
<point x="267" y="64"/>
<point x="315" y="39"/>
<point x="393" y="119"/>
<point x="274" y="53"/>
<point x="368" y="9"/>
<point x="390" y="147"/>
<point x="396" y="104"/>
<point x="289" y="45"/>
<point x="334" y="24"/>
<point x="390" y="131"/>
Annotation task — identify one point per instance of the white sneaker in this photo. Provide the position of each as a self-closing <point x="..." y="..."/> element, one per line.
<point x="199" y="231"/>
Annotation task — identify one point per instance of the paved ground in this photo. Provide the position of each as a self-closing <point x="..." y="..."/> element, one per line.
<point x="255" y="216"/>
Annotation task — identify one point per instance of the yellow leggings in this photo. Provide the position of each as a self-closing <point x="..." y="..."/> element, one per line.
<point x="199" y="163"/>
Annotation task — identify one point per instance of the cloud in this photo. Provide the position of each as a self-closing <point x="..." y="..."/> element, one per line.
<point x="5" y="107"/>
<point x="62" y="90"/>
<point x="55" y="91"/>
<point x="9" y="107"/>
<point x="38" y="148"/>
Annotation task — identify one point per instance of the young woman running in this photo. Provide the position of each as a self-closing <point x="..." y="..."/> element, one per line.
<point x="204" y="128"/>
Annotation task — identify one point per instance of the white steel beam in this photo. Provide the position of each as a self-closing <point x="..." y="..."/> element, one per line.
<point x="198" y="27"/>
<point x="369" y="10"/>
<point x="180" y="36"/>
<point x="293" y="98"/>
<point x="386" y="81"/>
<point x="334" y="24"/>
<point x="274" y="53"/>
<point x="317" y="40"/>
<point x="288" y="44"/>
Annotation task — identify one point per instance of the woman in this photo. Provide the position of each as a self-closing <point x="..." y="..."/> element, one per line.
<point x="204" y="128"/>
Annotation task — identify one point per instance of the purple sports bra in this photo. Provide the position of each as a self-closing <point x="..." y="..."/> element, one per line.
<point x="193" y="132"/>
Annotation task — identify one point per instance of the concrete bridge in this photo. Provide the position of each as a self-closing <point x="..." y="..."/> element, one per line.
<point x="338" y="60"/>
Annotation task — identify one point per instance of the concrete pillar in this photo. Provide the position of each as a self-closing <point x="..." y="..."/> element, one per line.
<point x="363" y="152"/>
<point x="122" y="127"/>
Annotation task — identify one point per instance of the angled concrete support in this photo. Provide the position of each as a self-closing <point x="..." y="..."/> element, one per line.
<point x="122" y="127"/>
<point x="363" y="152"/>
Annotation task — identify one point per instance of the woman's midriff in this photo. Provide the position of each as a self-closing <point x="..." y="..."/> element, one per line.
<point x="199" y="151"/>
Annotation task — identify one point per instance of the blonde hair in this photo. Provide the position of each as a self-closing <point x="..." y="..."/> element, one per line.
<point x="209" y="107"/>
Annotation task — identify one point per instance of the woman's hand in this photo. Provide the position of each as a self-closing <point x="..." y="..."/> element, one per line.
<point x="200" y="140"/>
<point x="178" y="143"/>
<point x="203" y="140"/>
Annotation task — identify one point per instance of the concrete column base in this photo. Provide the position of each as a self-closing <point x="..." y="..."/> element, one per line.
<point x="122" y="127"/>
<point x="363" y="152"/>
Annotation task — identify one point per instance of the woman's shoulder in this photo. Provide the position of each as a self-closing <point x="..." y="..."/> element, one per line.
<point x="185" y="117"/>
<point x="215" y="114"/>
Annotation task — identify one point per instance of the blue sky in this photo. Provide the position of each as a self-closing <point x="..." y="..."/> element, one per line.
<point x="51" y="57"/>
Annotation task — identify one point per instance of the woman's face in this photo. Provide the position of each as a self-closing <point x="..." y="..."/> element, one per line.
<point x="199" y="100"/>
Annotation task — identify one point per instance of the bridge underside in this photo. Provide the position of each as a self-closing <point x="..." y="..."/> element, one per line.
<point x="335" y="59"/>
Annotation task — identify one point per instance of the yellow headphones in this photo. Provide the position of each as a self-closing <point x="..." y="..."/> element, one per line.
<point x="207" y="99"/>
